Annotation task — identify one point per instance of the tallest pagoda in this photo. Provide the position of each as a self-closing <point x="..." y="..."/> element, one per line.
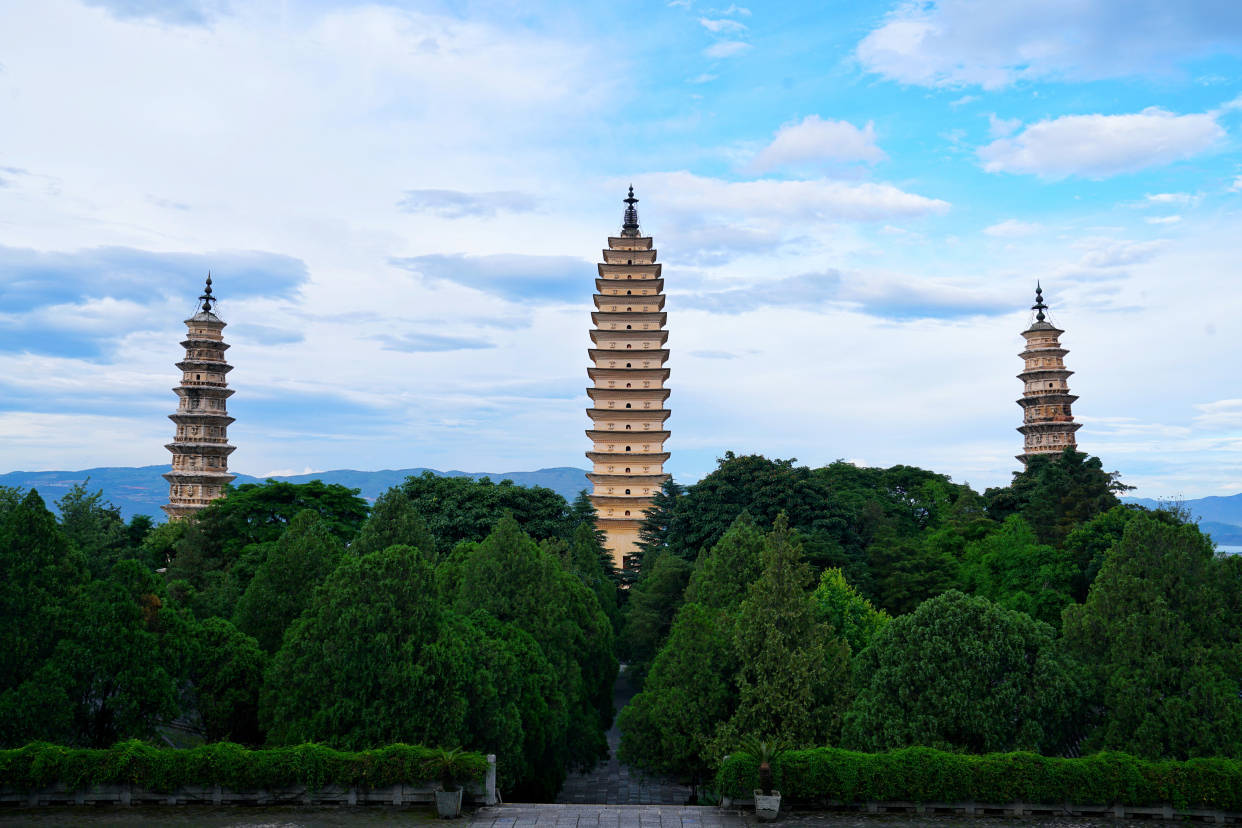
<point x="628" y="372"/>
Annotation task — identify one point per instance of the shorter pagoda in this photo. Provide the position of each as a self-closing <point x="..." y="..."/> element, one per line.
<point x="1047" y="423"/>
<point x="200" y="450"/>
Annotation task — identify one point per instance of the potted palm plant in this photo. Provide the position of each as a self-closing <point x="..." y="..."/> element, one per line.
<point x="448" y="765"/>
<point x="767" y="800"/>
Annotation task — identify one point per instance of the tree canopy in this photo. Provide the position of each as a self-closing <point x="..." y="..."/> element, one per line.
<point x="961" y="673"/>
<point x="1160" y="643"/>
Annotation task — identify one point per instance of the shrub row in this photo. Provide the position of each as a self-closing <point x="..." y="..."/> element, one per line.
<point x="38" y="766"/>
<point x="927" y="775"/>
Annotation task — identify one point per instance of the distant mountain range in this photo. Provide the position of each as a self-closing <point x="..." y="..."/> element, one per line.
<point x="141" y="490"/>
<point x="1220" y="517"/>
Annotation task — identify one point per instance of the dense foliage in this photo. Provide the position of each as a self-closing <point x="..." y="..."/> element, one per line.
<point x="1160" y="642"/>
<point x="879" y="609"/>
<point x="961" y="673"/>
<point x="288" y="614"/>
<point x="931" y="616"/>
<point x="463" y="509"/>
<point x="38" y="766"/>
<point x="927" y="775"/>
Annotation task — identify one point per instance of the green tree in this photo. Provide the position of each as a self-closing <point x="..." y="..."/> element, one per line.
<point x="361" y="667"/>
<point x="1055" y="493"/>
<point x="377" y="658"/>
<point x="160" y="544"/>
<point x="510" y="578"/>
<point x="226" y="675"/>
<point x="793" y="672"/>
<point x="961" y="673"/>
<point x="281" y="589"/>
<point x="650" y="611"/>
<point x="394" y="521"/>
<point x="115" y="673"/>
<point x="907" y="570"/>
<point x="764" y="488"/>
<point x="1159" y="639"/>
<point x="723" y="574"/>
<point x="95" y="528"/>
<point x="462" y="509"/>
<point x="222" y="546"/>
<point x="582" y="513"/>
<point x="1012" y="568"/>
<point x="668" y="727"/>
<point x="583" y="557"/>
<point x="40" y="576"/>
<point x="850" y="615"/>
<point x="655" y="531"/>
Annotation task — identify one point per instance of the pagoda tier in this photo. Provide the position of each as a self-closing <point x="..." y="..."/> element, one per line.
<point x="1047" y="418"/>
<point x="200" y="449"/>
<point x="646" y="395"/>
<point x="628" y="414"/>
<point x="629" y="304"/>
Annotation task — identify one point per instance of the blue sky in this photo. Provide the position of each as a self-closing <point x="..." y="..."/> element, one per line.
<point x="402" y="203"/>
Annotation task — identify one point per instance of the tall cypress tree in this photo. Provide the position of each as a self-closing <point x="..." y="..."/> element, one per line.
<point x="281" y="588"/>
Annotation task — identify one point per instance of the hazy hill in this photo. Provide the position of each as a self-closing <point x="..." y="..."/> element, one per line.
<point x="1220" y="517"/>
<point x="141" y="490"/>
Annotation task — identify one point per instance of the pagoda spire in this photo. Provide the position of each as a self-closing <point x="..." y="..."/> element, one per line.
<point x="628" y="394"/>
<point x="207" y="298"/>
<point x="1047" y="420"/>
<point x="629" y="222"/>
<point x="200" y="450"/>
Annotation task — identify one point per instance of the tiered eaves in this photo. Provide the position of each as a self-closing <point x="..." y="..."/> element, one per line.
<point x="1047" y="420"/>
<point x="628" y="396"/>
<point x="200" y="449"/>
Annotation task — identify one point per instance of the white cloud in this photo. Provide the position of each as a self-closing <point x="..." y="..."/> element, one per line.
<point x="995" y="44"/>
<point x="703" y="78"/>
<point x="1170" y="198"/>
<point x="806" y="199"/>
<point x="1220" y="414"/>
<point x="1236" y="187"/>
<point x="722" y="25"/>
<point x="817" y="140"/>
<point x="1098" y="146"/>
<point x="1002" y="127"/>
<point x="1104" y="252"/>
<point x="726" y="49"/>
<point x="1164" y="219"/>
<point x="740" y="11"/>
<point x="1013" y="229"/>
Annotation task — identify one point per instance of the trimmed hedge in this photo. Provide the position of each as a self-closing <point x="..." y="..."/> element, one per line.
<point x="40" y="765"/>
<point x="927" y="775"/>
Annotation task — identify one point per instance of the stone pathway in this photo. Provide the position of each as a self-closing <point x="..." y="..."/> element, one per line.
<point x="605" y="816"/>
<point x="612" y="783"/>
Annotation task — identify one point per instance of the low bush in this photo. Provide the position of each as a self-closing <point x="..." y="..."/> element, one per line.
<point x="927" y="775"/>
<point x="38" y="766"/>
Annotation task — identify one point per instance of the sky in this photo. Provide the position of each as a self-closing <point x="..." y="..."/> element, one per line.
<point x="401" y="205"/>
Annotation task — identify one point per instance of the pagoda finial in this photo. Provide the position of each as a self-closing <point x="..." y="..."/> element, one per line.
<point x="207" y="298"/>
<point x="1039" y="307"/>
<point x="629" y="225"/>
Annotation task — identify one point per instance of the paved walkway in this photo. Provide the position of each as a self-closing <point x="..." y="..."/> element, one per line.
<point x="612" y="783"/>
<point x="605" y="816"/>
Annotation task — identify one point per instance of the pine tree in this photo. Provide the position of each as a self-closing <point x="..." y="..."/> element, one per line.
<point x="394" y="521"/>
<point x="281" y="588"/>
<point x="653" y="532"/>
<point x="793" y="670"/>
